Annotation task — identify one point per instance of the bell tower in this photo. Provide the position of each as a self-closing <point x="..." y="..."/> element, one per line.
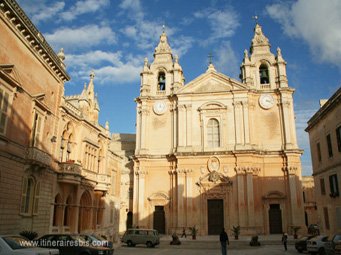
<point x="262" y="69"/>
<point x="160" y="80"/>
<point x="164" y="76"/>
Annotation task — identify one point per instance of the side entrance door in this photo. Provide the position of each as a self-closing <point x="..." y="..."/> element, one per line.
<point x="215" y="215"/>
<point x="159" y="219"/>
<point x="275" y="219"/>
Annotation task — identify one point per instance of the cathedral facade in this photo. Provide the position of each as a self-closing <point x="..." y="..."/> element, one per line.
<point x="217" y="152"/>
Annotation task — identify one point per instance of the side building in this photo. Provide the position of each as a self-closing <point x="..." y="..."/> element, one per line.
<point x="60" y="170"/>
<point x="324" y="130"/>
<point x="32" y="81"/>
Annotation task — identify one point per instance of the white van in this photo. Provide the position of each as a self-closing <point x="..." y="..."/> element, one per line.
<point x="134" y="236"/>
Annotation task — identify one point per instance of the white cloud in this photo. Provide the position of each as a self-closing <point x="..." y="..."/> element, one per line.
<point x="82" y="7"/>
<point x="316" y="22"/>
<point x="48" y="12"/>
<point x="126" y="73"/>
<point x="133" y="7"/>
<point x="226" y="61"/>
<point x="93" y="58"/>
<point x="181" y="45"/>
<point x="39" y="10"/>
<point x="81" y="37"/>
<point x="109" y="67"/>
<point x="223" y="22"/>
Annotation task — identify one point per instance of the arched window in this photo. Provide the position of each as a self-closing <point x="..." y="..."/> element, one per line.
<point x="56" y="210"/>
<point x="67" y="212"/>
<point x="30" y="196"/>
<point x="161" y="81"/>
<point x="213" y="133"/>
<point x="264" y="74"/>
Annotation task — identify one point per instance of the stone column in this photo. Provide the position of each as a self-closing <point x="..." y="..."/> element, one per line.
<point x="250" y="197"/>
<point x="140" y="180"/>
<point x="174" y="127"/>
<point x="138" y="128"/>
<point x="238" y="116"/>
<point x="295" y="212"/>
<point x="242" y="209"/>
<point x="189" y="196"/>
<point x="172" y="193"/>
<point x="181" y="185"/>
<point x="246" y="122"/>
<point x="144" y="128"/>
<point x="188" y="125"/>
<point x="182" y="125"/>
<point x="286" y="123"/>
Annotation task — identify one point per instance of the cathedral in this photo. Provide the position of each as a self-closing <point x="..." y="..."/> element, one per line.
<point x="217" y="152"/>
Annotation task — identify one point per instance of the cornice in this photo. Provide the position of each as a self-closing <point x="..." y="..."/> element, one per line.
<point x="332" y="102"/>
<point x="15" y="17"/>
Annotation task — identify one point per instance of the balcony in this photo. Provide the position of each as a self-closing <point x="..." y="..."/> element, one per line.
<point x="70" y="172"/>
<point x="38" y="157"/>
<point x="103" y="182"/>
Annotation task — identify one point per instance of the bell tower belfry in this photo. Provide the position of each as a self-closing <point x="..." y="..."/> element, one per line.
<point x="262" y="69"/>
<point x="164" y="76"/>
<point x="159" y="82"/>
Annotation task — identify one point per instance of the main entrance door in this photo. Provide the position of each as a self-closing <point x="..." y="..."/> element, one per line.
<point x="275" y="219"/>
<point x="215" y="214"/>
<point x="159" y="219"/>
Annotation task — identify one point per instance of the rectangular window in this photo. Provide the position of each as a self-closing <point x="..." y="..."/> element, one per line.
<point x="338" y="138"/>
<point x="323" y="187"/>
<point x="27" y="195"/>
<point x="318" y="147"/>
<point x="329" y="144"/>
<point x="334" y="187"/>
<point x="304" y="197"/>
<point x="4" y="98"/>
<point x="326" y="217"/>
<point x="36" y="129"/>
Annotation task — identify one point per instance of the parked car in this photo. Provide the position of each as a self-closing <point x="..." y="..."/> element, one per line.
<point x="301" y="244"/>
<point x="72" y="245"/>
<point x="97" y="240"/>
<point x="317" y="245"/>
<point x="333" y="247"/>
<point x="18" y="245"/>
<point x="134" y="236"/>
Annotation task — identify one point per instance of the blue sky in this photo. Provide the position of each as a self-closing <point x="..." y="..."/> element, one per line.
<point x="112" y="37"/>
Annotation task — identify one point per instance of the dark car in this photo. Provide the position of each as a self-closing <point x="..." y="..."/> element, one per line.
<point x="301" y="244"/>
<point x="72" y="245"/>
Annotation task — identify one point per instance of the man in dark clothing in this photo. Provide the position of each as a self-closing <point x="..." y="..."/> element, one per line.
<point x="285" y="240"/>
<point x="224" y="240"/>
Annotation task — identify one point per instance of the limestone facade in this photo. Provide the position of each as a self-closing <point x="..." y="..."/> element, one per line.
<point x="60" y="170"/>
<point x="217" y="152"/>
<point x="324" y="130"/>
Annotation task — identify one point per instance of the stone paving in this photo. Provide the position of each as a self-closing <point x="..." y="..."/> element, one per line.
<point x="210" y="245"/>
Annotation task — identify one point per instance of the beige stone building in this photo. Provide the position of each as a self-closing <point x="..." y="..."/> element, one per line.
<point x="31" y="87"/>
<point x="60" y="170"/>
<point x="309" y="199"/>
<point x="217" y="152"/>
<point x="324" y="130"/>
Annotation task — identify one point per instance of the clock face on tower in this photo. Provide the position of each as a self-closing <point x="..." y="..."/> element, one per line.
<point x="160" y="107"/>
<point x="266" y="101"/>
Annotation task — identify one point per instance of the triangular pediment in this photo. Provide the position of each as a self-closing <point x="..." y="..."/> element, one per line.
<point x="211" y="82"/>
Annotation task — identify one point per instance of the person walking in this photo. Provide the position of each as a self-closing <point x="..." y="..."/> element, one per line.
<point x="184" y="233"/>
<point x="285" y="240"/>
<point x="224" y="241"/>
